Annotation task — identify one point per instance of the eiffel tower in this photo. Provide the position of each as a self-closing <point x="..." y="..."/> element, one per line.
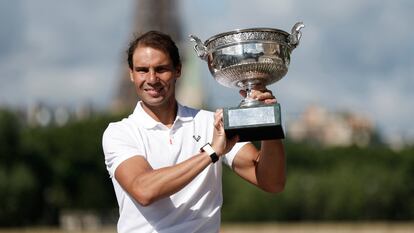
<point x="161" y="15"/>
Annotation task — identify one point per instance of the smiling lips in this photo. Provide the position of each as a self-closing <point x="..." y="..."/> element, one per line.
<point x="154" y="91"/>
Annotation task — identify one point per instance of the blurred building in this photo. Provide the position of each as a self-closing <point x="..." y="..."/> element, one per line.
<point x="161" y="15"/>
<point x="316" y="124"/>
<point x="39" y="115"/>
<point x="42" y="115"/>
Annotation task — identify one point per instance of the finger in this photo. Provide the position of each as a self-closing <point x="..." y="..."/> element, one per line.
<point x="264" y="96"/>
<point x="270" y="101"/>
<point x="265" y="91"/>
<point x="243" y="93"/>
<point x="218" y="114"/>
<point x="261" y="94"/>
<point x="218" y="118"/>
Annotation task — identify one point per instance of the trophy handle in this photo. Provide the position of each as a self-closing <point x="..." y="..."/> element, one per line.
<point x="296" y="34"/>
<point x="199" y="47"/>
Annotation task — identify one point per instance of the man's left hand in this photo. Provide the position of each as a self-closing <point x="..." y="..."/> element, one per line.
<point x="265" y="95"/>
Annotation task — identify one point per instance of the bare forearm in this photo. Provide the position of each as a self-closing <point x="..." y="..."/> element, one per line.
<point x="159" y="183"/>
<point x="271" y="167"/>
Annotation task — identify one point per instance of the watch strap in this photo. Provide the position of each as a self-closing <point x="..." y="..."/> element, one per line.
<point x="210" y="151"/>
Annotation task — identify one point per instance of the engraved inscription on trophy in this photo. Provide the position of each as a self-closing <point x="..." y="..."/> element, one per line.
<point x="250" y="59"/>
<point x="243" y="116"/>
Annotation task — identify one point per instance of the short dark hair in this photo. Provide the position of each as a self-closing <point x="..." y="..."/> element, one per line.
<point x="157" y="40"/>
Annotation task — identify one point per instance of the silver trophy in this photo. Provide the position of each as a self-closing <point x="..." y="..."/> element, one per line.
<point x="250" y="59"/>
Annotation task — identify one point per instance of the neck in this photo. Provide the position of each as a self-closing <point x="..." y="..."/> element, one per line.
<point x="165" y="114"/>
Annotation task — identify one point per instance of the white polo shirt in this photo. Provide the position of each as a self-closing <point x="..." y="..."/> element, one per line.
<point x="195" y="208"/>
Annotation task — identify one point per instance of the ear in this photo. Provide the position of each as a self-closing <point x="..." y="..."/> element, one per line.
<point x="178" y="71"/>
<point x="131" y="76"/>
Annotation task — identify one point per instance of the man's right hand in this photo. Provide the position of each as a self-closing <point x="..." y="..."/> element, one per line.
<point x="221" y="144"/>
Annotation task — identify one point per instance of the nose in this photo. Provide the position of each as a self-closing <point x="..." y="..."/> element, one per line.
<point x="152" y="76"/>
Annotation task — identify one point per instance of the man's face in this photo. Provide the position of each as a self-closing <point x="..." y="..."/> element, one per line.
<point x="154" y="76"/>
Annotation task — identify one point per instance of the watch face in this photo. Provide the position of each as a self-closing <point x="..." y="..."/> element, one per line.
<point x="214" y="157"/>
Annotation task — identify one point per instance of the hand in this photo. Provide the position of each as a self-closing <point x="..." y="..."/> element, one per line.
<point x="264" y="95"/>
<point x="221" y="144"/>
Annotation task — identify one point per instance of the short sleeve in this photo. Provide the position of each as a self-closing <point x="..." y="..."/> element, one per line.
<point x="119" y="144"/>
<point x="229" y="157"/>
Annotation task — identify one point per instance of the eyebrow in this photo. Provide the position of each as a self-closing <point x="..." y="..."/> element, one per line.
<point x="140" y="67"/>
<point x="156" y="67"/>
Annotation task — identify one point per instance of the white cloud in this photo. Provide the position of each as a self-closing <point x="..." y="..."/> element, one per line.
<point x="68" y="52"/>
<point x="72" y="86"/>
<point x="354" y="55"/>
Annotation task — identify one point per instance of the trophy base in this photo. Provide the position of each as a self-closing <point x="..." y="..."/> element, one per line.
<point x="253" y="123"/>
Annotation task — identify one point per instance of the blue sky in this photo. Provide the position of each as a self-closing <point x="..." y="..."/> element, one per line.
<point x="354" y="55"/>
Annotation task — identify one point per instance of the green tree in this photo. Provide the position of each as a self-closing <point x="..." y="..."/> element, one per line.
<point x="328" y="184"/>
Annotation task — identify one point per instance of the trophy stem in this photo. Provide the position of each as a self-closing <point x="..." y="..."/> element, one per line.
<point x="248" y="101"/>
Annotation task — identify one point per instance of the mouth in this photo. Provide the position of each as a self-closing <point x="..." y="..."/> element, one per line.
<point x="154" y="91"/>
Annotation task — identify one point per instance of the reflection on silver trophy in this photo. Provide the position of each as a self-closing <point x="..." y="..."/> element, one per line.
<point x="250" y="59"/>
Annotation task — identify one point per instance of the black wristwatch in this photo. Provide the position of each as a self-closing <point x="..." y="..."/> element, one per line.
<point x="210" y="151"/>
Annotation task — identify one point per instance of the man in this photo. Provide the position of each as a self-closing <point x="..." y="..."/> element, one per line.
<point x="165" y="159"/>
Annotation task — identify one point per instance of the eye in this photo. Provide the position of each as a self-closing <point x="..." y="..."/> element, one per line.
<point x="162" y="69"/>
<point x="141" y="69"/>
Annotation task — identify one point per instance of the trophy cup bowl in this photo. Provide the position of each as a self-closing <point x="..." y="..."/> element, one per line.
<point x="250" y="59"/>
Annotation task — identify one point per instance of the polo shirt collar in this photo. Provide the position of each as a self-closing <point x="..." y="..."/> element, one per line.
<point x="145" y="120"/>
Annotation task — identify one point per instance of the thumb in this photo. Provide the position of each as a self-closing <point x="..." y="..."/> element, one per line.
<point x="243" y="93"/>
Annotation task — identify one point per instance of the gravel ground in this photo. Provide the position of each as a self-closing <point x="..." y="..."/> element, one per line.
<point x="407" y="227"/>
<point x="322" y="228"/>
